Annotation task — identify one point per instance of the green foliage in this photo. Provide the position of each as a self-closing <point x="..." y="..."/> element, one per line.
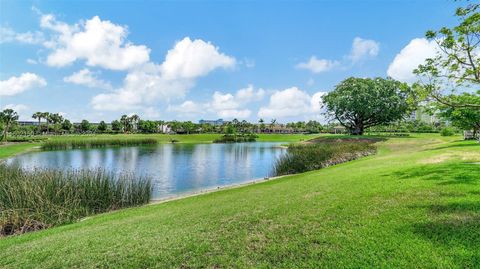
<point x="306" y="157"/>
<point x="96" y="142"/>
<point x="447" y="131"/>
<point x="466" y="118"/>
<point x="8" y="118"/>
<point x="457" y="63"/>
<point x="358" y="103"/>
<point x="116" y="126"/>
<point x="236" y="138"/>
<point x="148" y="126"/>
<point x="85" y="126"/>
<point x="33" y="200"/>
<point x="102" y="126"/>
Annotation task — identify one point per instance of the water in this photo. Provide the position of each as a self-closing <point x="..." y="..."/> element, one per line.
<point x="174" y="168"/>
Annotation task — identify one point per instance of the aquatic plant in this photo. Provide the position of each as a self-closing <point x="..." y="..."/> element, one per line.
<point x="81" y="142"/>
<point x="312" y="156"/>
<point x="41" y="198"/>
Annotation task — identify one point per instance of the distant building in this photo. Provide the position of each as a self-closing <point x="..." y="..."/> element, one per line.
<point x="27" y="123"/>
<point x="218" y="122"/>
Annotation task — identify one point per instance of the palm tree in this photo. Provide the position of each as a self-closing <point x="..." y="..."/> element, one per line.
<point x="46" y="116"/>
<point x="262" y="124"/>
<point x="39" y="116"/>
<point x="8" y="117"/>
<point x="56" y="119"/>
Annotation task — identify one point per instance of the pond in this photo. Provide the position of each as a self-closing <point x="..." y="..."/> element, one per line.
<point x="174" y="168"/>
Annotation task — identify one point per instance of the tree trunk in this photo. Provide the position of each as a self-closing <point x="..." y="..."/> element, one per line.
<point x="358" y="129"/>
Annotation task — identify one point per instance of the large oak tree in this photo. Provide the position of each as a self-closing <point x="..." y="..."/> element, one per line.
<point x="359" y="103"/>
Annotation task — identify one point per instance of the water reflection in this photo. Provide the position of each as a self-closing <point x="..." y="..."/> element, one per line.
<point x="175" y="168"/>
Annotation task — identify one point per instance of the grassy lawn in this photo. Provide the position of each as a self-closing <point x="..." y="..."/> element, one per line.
<point x="12" y="149"/>
<point x="416" y="204"/>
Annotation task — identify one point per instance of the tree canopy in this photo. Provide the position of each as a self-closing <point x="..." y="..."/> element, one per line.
<point x="359" y="103"/>
<point x="456" y="65"/>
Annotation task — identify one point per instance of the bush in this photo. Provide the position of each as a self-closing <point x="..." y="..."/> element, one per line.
<point x="236" y="138"/>
<point x="38" y="199"/>
<point x="447" y="131"/>
<point x="306" y="157"/>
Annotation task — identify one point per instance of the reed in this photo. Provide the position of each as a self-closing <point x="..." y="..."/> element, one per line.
<point x="55" y="144"/>
<point x="38" y="199"/>
<point x="306" y="157"/>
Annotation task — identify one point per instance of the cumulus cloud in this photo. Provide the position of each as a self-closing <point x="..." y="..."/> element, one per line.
<point x="291" y="102"/>
<point x="184" y="63"/>
<point x="317" y="65"/>
<point x="8" y="35"/>
<point x="187" y="107"/>
<point x="227" y="105"/>
<point x="87" y="78"/>
<point x="98" y="42"/>
<point x="190" y="59"/>
<point x="363" y="48"/>
<point x="15" y="85"/>
<point x="412" y="55"/>
<point x="224" y="105"/>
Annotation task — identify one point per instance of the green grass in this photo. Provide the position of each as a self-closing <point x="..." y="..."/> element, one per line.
<point x="415" y="204"/>
<point x="12" y="149"/>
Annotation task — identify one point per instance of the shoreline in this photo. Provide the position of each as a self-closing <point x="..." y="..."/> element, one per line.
<point x="212" y="190"/>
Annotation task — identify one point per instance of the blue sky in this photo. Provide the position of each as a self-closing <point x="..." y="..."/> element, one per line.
<point x="189" y="60"/>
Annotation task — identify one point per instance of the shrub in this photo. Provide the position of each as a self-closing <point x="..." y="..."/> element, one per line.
<point x="33" y="200"/>
<point x="447" y="131"/>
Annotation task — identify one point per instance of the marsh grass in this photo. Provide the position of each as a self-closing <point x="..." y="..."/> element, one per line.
<point x="96" y="142"/>
<point x="38" y="199"/>
<point x="312" y="156"/>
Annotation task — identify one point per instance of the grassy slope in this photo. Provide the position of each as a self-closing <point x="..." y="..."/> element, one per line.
<point x="12" y="149"/>
<point x="415" y="204"/>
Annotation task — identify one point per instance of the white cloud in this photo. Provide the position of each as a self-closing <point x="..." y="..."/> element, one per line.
<point x="99" y="43"/>
<point x="317" y="65"/>
<point x="8" y="35"/>
<point x="16" y="85"/>
<point x="410" y="57"/>
<point x="363" y="48"/>
<point x="224" y="105"/>
<point x="233" y="106"/>
<point x="17" y="107"/>
<point x="87" y="78"/>
<point x="183" y="64"/>
<point x="291" y="102"/>
<point x="187" y="107"/>
<point x="32" y="61"/>
<point x="190" y="59"/>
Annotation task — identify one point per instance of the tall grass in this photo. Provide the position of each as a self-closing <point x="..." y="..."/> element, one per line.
<point x="96" y="142"/>
<point x="38" y="199"/>
<point x="306" y="157"/>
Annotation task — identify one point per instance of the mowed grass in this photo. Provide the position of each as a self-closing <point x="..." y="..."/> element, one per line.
<point x="416" y="204"/>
